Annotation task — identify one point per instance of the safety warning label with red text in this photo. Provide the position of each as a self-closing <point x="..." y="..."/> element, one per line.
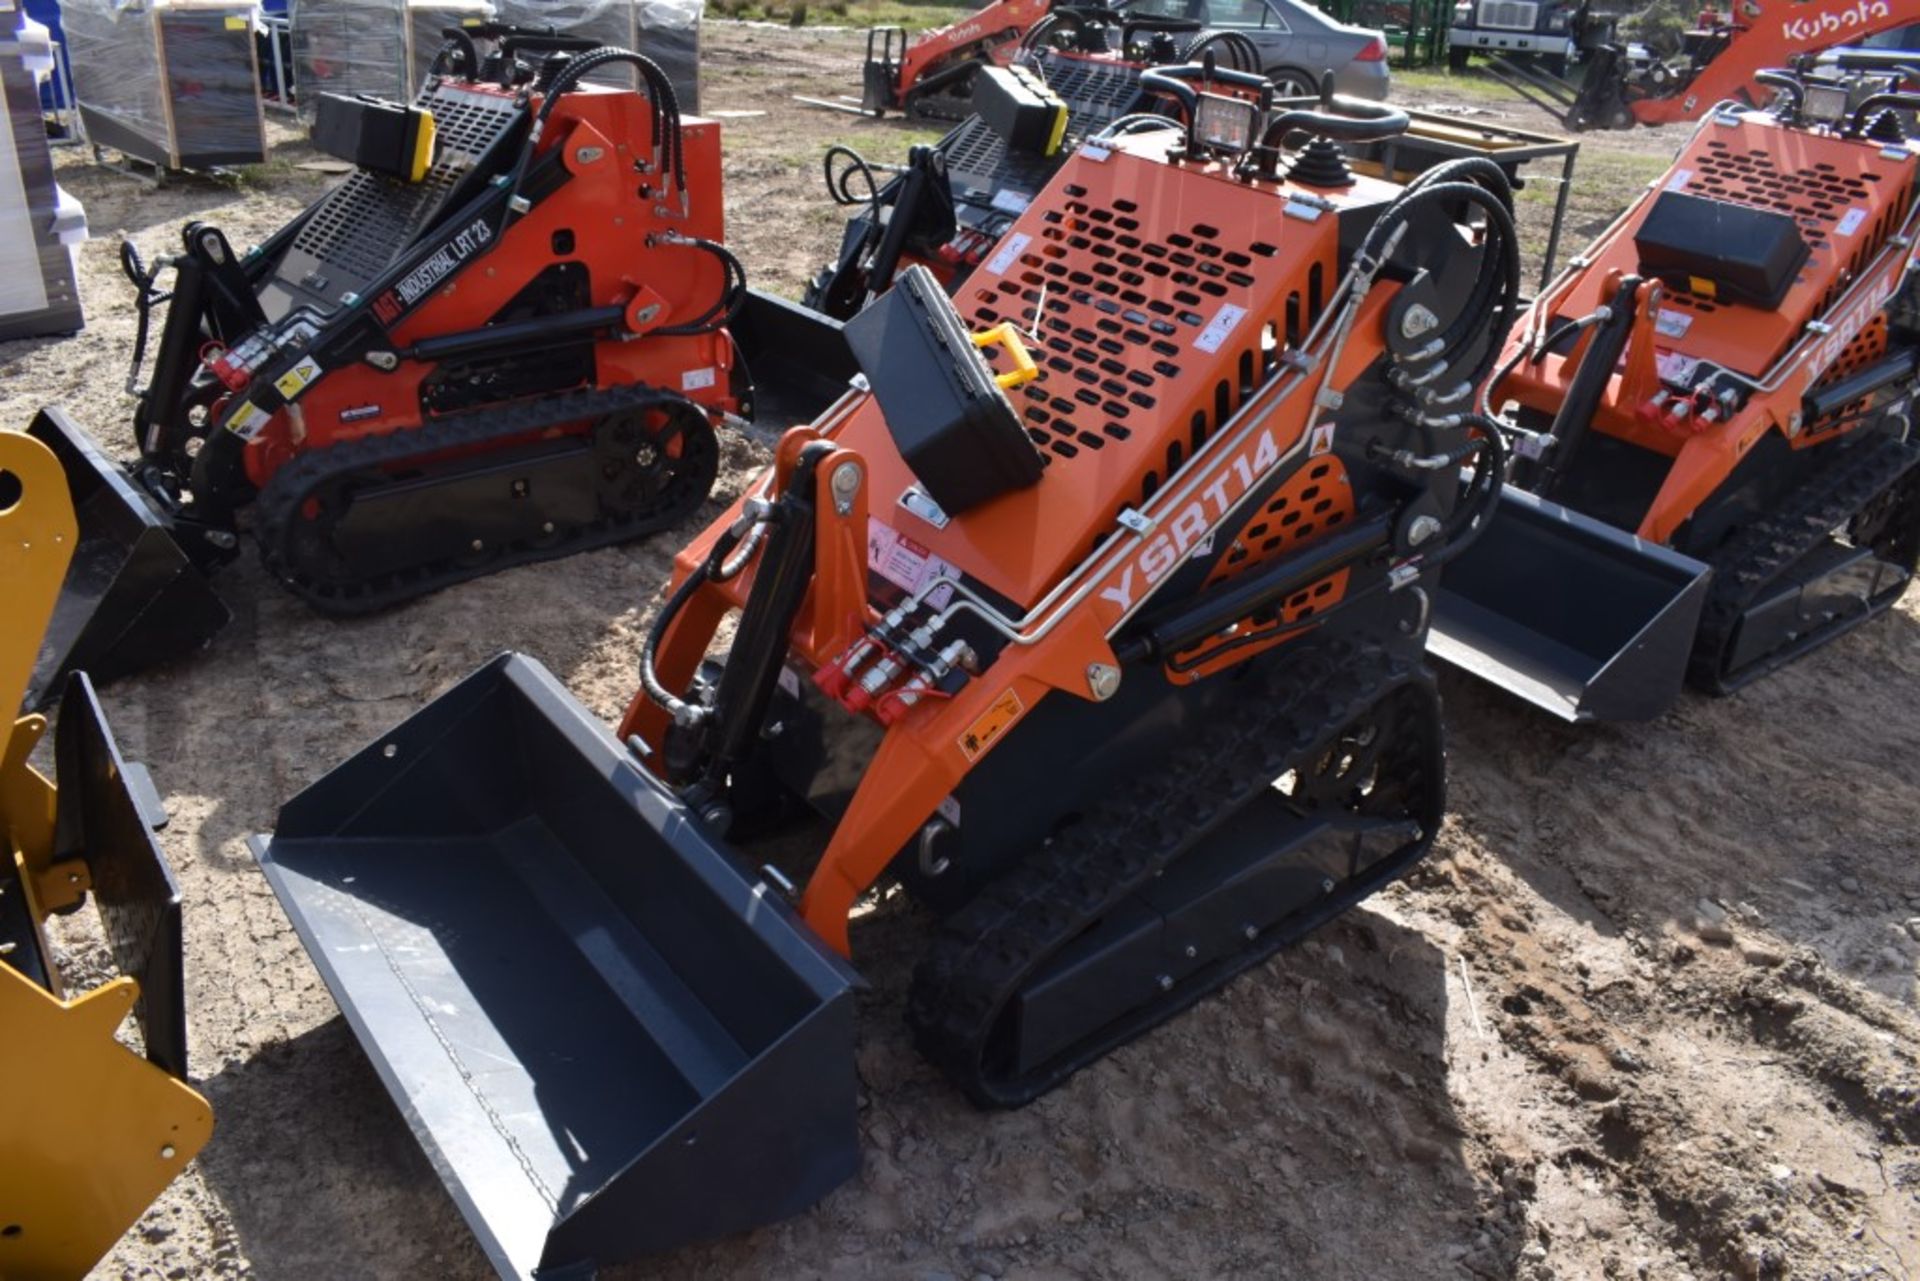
<point x="906" y="564"/>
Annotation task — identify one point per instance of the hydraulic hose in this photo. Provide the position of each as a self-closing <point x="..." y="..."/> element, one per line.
<point x="1470" y="515"/>
<point x="733" y="295"/>
<point x="838" y="189"/>
<point x="666" y="136"/>
<point x="1487" y="312"/>
<point x="145" y="298"/>
<point x="666" y="103"/>
<point x="1134" y="122"/>
<point x="1241" y="54"/>
<point x="682" y="712"/>
<point x="1357" y="121"/>
<point x="1496" y="200"/>
<point x="1789" y="85"/>
<point x="1491" y="305"/>
<point x="1554" y="337"/>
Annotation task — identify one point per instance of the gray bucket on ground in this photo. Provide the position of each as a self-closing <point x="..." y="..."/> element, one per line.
<point x="610" y="1038"/>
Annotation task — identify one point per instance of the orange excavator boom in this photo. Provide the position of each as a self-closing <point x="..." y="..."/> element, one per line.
<point x="1724" y="58"/>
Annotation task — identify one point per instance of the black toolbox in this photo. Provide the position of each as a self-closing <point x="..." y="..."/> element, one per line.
<point x="1018" y="105"/>
<point x="1720" y="250"/>
<point x="385" y="137"/>
<point x="948" y="417"/>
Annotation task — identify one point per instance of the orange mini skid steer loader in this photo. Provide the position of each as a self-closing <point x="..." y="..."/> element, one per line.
<point x="1077" y="73"/>
<point x="1152" y="512"/>
<point x="1711" y="418"/>
<point x="505" y="337"/>
<point x="930" y="75"/>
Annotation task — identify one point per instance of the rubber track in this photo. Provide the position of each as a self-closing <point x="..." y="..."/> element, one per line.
<point x="295" y="482"/>
<point x="1864" y="469"/>
<point x="922" y="103"/>
<point x="945" y="108"/>
<point x="981" y="955"/>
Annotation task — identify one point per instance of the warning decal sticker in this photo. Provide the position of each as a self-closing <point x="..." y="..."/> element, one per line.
<point x="906" y="564"/>
<point x="993" y="722"/>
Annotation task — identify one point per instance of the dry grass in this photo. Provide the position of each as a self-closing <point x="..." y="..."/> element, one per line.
<point x="906" y="14"/>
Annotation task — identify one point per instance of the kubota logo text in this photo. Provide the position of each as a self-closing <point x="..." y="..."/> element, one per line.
<point x="1848" y="18"/>
<point x="1179" y="535"/>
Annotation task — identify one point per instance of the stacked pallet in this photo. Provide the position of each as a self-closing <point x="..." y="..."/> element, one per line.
<point x="173" y="83"/>
<point x="668" y="31"/>
<point x="40" y="225"/>
<point x="378" y="47"/>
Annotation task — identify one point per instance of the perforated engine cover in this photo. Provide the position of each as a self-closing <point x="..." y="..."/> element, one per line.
<point x="1845" y="196"/>
<point x="1154" y="297"/>
<point x="361" y="226"/>
<point x="980" y="165"/>
<point x="1096" y="90"/>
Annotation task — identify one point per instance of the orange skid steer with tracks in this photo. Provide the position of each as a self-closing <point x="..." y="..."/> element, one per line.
<point x="1711" y="416"/>
<point x="930" y="75"/>
<point x="508" y="335"/>
<point x="1092" y="615"/>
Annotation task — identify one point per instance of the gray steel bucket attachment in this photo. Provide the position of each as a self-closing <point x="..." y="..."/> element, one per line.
<point x="609" y="1038"/>
<point x="799" y="360"/>
<point x="1569" y="613"/>
<point x="132" y="598"/>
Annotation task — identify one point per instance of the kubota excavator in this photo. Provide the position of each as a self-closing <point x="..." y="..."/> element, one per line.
<point x="1719" y="59"/>
<point x="505" y="337"/>
<point x="1152" y="512"/>
<point x="1711" y="416"/>
<point x="1722" y="58"/>
<point x="93" y="1131"/>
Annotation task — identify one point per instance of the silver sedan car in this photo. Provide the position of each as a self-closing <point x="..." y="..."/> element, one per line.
<point x="1297" y="43"/>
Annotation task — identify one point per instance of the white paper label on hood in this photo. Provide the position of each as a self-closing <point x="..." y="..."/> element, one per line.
<point x="1008" y="253"/>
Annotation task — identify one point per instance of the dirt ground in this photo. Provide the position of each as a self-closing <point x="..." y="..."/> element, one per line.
<point x="1649" y="1011"/>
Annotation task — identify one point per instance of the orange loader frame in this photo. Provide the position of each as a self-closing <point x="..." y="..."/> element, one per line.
<point x="1063" y="645"/>
<point x="1706" y="448"/>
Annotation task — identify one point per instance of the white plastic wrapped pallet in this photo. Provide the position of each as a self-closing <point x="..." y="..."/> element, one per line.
<point x="41" y="226"/>
<point x="173" y="82"/>
<point x="378" y="47"/>
<point x="348" y="47"/>
<point x="668" y="31"/>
